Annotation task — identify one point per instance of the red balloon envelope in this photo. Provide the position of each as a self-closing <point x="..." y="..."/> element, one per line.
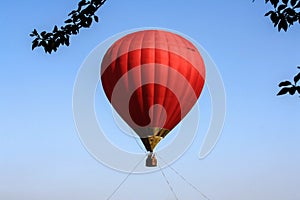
<point x="152" y="78"/>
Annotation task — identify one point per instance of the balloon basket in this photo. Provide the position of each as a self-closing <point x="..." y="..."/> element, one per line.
<point x="151" y="160"/>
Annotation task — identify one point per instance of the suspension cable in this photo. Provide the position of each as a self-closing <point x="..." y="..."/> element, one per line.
<point x="168" y="183"/>
<point x="184" y="179"/>
<point x="124" y="180"/>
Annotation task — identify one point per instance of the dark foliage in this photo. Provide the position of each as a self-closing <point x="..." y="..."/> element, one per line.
<point x="285" y="14"/>
<point x="80" y="18"/>
<point x="287" y="87"/>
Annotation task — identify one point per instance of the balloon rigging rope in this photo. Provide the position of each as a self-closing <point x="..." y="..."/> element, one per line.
<point x="163" y="174"/>
<point x="184" y="179"/>
<point x="124" y="180"/>
<point x="168" y="183"/>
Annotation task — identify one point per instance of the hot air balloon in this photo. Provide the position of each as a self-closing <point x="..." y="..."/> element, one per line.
<point x="152" y="78"/>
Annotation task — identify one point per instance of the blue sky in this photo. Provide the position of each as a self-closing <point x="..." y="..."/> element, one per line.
<point x="257" y="156"/>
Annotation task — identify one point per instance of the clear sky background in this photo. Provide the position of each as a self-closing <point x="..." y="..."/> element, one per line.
<point x="256" y="158"/>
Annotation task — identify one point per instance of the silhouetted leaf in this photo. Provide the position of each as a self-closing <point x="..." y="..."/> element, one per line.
<point x="269" y="13"/>
<point x="89" y="21"/>
<point x="67" y="41"/>
<point x="297" y="5"/>
<point x="68" y="21"/>
<point x="35" y="32"/>
<point x="48" y="49"/>
<point x="96" y="18"/>
<point x="55" y="29"/>
<point x="81" y="3"/>
<point x="43" y="33"/>
<point x="292" y="90"/>
<point x="290" y="11"/>
<point x="293" y="2"/>
<point x="90" y="9"/>
<point x="34" y="44"/>
<point x="86" y="23"/>
<point x="274" y="2"/>
<point x="281" y="7"/>
<point x="298" y="89"/>
<point x="290" y="20"/>
<point x="285" y="83"/>
<point x="285" y="1"/>
<point x="283" y="25"/>
<point x="298" y="67"/>
<point x="47" y="35"/>
<point x="274" y="18"/>
<point x="73" y="12"/>
<point x="74" y="31"/>
<point x="297" y="78"/>
<point x="43" y="43"/>
<point x="283" y="91"/>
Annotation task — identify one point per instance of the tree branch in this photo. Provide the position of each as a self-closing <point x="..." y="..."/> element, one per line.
<point x="82" y="17"/>
<point x="284" y="14"/>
